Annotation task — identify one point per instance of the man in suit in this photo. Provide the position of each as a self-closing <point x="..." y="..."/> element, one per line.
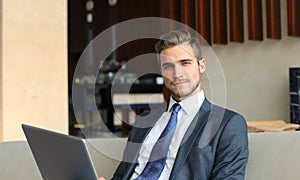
<point x="209" y="142"/>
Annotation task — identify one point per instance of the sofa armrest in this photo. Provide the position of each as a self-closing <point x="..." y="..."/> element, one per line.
<point x="273" y="155"/>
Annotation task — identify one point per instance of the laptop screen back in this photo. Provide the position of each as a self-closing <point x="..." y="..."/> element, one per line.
<point x="59" y="156"/>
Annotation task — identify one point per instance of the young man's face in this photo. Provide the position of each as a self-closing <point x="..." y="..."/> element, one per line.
<point x="181" y="71"/>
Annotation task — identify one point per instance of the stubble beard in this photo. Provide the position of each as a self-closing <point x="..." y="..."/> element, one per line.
<point x="178" y="94"/>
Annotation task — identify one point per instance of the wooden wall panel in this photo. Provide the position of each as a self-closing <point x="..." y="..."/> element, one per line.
<point x="188" y="12"/>
<point x="236" y="20"/>
<point x="293" y="10"/>
<point x="203" y="19"/>
<point x="220" y="22"/>
<point x="169" y="9"/>
<point x="273" y="19"/>
<point x="255" y="27"/>
<point x="130" y="9"/>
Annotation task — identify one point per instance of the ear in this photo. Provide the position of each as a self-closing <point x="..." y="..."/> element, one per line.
<point x="202" y="65"/>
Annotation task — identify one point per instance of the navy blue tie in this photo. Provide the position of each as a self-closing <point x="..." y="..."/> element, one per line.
<point x="157" y="160"/>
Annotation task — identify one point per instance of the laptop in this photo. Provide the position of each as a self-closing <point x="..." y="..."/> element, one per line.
<point x="59" y="156"/>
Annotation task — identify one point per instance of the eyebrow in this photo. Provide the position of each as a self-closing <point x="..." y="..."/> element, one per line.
<point x="184" y="60"/>
<point x="180" y="61"/>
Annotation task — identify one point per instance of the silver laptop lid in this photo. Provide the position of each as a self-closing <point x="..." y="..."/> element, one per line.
<point x="59" y="156"/>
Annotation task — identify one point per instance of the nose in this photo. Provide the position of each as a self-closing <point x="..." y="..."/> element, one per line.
<point x="178" y="70"/>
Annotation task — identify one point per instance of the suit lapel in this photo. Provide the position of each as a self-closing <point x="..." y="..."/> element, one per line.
<point x="190" y="136"/>
<point x="139" y="138"/>
<point x="141" y="129"/>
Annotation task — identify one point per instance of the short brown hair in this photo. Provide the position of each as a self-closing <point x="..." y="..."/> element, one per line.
<point x="178" y="37"/>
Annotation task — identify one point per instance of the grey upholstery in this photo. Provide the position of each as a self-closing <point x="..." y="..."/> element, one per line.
<point x="274" y="156"/>
<point x="16" y="161"/>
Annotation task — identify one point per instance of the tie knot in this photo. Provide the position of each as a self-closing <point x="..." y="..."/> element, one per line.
<point x="176" y="107"/>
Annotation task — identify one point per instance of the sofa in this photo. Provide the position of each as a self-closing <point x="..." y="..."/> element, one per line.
<point x="272" y="156"/>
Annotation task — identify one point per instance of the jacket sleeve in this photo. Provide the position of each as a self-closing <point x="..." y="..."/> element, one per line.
<point x="232" y="151"/>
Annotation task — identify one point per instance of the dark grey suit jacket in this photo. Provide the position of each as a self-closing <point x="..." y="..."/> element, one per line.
<point x="215" y="146"/>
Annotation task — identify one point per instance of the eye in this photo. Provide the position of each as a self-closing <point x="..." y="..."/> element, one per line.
<point x="186" y="62"/>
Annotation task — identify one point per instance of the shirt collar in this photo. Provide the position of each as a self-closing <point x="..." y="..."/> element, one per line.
<point x="189" y="104"/>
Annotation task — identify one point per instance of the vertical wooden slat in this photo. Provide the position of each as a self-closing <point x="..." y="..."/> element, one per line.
<point x="188" y="12"/>
<point x="273" y="19"/>
<point x="255" y="20"/>
<point x="293" y="10"/>
<point x="236" y="20"/>
<point x="220" y="22"/>
<point x="203" y="19"/>
<point x="169" y="9"/>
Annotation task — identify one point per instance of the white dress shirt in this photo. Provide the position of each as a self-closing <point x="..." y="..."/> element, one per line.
<point x="189" y="109"/>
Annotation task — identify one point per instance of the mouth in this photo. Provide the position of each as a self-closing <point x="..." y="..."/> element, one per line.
<point x="179" y="83"/>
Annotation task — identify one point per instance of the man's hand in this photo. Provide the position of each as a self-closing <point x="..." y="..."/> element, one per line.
<point x="101" y="178"/>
